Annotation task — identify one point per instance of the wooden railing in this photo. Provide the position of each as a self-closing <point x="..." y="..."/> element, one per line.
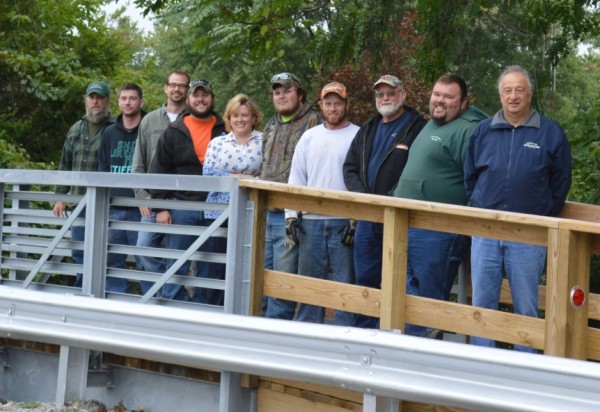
<point x="571" y="240"/>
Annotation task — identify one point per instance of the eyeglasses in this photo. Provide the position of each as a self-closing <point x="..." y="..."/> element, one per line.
<point x="281" y="76"/>
<point x="381" y="95"/>
<point x="177" y="85"/>
<point x="203" y="83"/>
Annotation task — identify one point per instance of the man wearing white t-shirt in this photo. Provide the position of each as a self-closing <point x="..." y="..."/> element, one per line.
<point x="325" y="242"/>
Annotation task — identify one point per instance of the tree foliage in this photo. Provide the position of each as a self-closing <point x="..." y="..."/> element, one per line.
<point x="49" y="52"/>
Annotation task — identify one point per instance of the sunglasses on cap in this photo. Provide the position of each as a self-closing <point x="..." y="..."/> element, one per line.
<point x="203" y="83"/>
<point x="281" y="76"/>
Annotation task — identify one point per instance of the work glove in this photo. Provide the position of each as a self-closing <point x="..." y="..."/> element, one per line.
<point x="348" y="232"/>
<point x="293" y="228"/>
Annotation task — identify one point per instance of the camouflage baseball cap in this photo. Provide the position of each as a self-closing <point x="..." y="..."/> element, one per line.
<point x="388" y="79"/>
<point x="286" y="80"/>
<point x="335" y="87"/>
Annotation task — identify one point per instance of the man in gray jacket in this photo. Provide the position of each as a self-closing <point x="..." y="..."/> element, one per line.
<point x="151" y="128"/>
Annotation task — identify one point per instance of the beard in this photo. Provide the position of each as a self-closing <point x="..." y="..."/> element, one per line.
<point x="201" y="115"/>
<point x="98" y="115"/>
<point x="335" y="120"/>
<point x="387" y="111"/>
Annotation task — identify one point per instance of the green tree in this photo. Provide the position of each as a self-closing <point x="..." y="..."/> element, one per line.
<point x="49" y="52"/>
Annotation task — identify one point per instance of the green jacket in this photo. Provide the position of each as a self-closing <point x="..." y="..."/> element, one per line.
<point x="435" y="168"/>
<point x="80" y="153"/>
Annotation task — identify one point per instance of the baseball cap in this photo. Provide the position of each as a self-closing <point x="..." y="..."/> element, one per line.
<point x="99" y="88"/>
<point x="205" y="84"/>
<point x="335" y="87"/>
<point x="388" y="79"/>
<point x="286" y="80"/>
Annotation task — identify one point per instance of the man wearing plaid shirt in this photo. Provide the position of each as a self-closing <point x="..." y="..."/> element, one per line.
<point x="80" y="152"/>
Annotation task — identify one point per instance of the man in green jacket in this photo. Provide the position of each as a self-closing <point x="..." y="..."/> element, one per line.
<point x="435" y="173"/>
<point x="80" y="152"/>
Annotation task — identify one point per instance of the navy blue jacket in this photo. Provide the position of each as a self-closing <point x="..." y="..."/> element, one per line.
<point x="525" y="169"/>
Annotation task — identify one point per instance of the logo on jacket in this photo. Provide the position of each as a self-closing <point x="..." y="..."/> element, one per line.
<point x="436" y="138"/>
<point x="531" y="145"/>
<point x="402" y="146"/>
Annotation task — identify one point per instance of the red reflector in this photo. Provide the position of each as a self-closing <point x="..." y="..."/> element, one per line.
<point x="577" y="297"/>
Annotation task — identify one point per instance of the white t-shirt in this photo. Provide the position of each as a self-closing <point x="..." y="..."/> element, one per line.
<point x="318" y="161"/>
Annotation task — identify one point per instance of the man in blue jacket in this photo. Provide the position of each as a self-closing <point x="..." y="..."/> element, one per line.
<point x="517" y="161"/>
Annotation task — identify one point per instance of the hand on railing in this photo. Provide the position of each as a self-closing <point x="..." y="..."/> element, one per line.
<point x="292" y="230"/>
<point x="59" y="209"/>
<point x="348" y="232"/>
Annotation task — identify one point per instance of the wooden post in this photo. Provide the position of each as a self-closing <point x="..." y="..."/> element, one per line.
<point x="259" y="197"/>
<point x="569" y="255"/>
<point x="393" y="269"/>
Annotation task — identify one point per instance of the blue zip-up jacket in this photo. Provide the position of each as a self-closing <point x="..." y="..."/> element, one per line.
<point x="525" y="169"/>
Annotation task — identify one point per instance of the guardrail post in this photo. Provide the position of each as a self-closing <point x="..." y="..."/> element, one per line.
<point x="373" y="403"/>
<point x="393" y="269"/>
<point x="569" y="256"/>
<point x="72" y="374"/>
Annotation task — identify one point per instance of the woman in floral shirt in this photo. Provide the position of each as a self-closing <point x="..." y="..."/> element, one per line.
<point x="238" y="153"/>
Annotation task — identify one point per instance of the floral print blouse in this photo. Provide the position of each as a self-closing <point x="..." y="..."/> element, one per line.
<point x="225" y="156"/>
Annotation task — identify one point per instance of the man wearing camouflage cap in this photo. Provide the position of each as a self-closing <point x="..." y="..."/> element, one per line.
<point x="294" y="115"/>
<point x="80" y="152"/>
<point x="374" y="164"/>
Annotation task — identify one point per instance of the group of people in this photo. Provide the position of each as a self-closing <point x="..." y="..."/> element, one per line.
<point x="516" y="160"/>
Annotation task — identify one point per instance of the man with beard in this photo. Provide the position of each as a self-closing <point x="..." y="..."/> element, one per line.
<point x="294" y="115"/>
<point x="374" y="164"/>
<point x="115" y="156"/>
<point x="435" y="173"/>
<point x="151" y="128"/>
<point x="80" y="152"/>
<point x="324" y="241"/>
<point x="180" y="151"/>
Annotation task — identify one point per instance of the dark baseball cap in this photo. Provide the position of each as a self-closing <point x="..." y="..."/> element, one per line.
<point x="100" y="88"/>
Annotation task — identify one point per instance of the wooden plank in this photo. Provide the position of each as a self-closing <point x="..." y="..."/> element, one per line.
<point x="393" y="269"/>
<point x="593" y="344"/>
<point x="521" y="231"/>
<point x="326" y="206"/>
<point x="258" y="251"/>
<point x="581" y="211"/>
<point x="469" y="320"/>
<point x="407" y="406"/>
<point x="356" y="397"/>
<point x="325" y="293"/>
<point x="271" y="400"/>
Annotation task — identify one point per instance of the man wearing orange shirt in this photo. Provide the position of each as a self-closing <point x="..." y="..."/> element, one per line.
<point x="181" y="150"/>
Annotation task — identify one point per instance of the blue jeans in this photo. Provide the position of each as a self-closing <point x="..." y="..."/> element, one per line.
<point x="523" y="264"/>
<point x="121" y="237"/>
<point x="150" y="263"/>
<point x="433" y="261"/>
<point x="211" y="270"/>
<point x="368" y="252"/>
<point x="181" y="242"/>
<point x="281" y="256"/>
<point x="321" y="248"/>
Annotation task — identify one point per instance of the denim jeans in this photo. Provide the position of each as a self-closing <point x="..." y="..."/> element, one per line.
<point x="321" y="249"/>
<point x="368" y="252"/>
<point x="121" y="237"/>
<point x="150" y="263"/>
<point x="281" y="256"/>
<point x="433" y="261"/>
<point x="181" y="242"/>
<point x="211" y="270"/>
<point x="523" y="265"/>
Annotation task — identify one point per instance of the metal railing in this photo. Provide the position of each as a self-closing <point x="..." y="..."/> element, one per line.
<point x="386" y="367"/>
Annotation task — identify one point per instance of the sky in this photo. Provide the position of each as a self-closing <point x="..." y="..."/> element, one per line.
<point x="144" y="23"/>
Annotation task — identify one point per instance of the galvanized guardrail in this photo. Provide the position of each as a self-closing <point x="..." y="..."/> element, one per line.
<point x="378" y="364"/>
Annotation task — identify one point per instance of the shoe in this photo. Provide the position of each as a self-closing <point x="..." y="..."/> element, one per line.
<point x="435" y="334"/>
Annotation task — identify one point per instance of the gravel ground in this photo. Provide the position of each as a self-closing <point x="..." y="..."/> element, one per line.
<point x="77" y="406"/>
